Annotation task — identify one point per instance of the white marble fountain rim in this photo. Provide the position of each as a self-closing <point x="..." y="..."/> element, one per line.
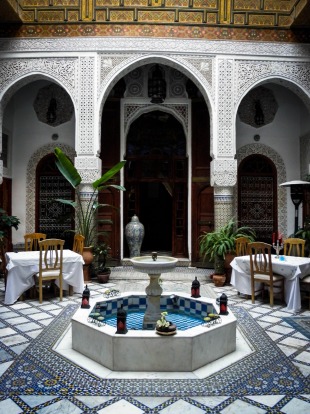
<point x="64" y="348"/>
<point x="146" y="264"/>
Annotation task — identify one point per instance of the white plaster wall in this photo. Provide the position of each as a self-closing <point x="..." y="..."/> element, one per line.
<point x="28" y="135"/>
<point x="283" y="135"/>
<point x="305" y="121"/>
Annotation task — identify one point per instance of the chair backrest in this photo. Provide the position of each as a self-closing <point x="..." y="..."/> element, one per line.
<point x="241" y="246"/>
<point x="51" y="253"/>
<point x="78" y="243"/>
<point x="32" y="240"/>
<point x="294" y="247"/>
<point x="260" y="258"/>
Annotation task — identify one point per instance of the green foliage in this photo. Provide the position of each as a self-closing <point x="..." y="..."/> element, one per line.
<point x="85" y="222"/>
<point x="101" y="254"/>
<point x="6" y="223"/>
<point x="215" y="245"/>
<point x="304" y="233"/>
<point x="162" y="322"/>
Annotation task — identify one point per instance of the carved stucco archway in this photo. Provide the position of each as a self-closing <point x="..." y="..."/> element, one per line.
<point x="199" y="69"/>
<point x="261" y="149"/>
<point x="31" y="179"/>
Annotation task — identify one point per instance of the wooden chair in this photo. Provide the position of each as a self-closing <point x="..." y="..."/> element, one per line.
<point x="241" y="246"/>
<point x="50" y="264"/>
<point x="261" y="270"/>
<point x="294" y="247"/>
<point x="32" y="240"/>
<point x="78" y="243"/>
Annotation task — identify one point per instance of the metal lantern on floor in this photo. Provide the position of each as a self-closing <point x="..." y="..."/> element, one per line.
<point x="121" y="321"/>
<point x="85" y="298"/>
<point x="195" y="288"/>
<point x="223" y="304"/>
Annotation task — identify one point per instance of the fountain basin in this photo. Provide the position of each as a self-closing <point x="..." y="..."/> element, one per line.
<point x="146" y="264"/>
<point x="145" y="350"/>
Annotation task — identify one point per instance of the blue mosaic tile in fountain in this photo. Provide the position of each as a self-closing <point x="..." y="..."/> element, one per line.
<point x="172" y="304"/>
<point x="135" y="320"/>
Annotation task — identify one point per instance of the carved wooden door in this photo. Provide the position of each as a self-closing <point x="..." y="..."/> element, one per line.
<point x="6" y="205"/>
<point x="257" y="196"/>
<point x="202" y="192"/>
<point x="53" y="218"/>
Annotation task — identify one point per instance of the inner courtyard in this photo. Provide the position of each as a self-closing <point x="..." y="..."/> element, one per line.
<point x="208" y="105"/>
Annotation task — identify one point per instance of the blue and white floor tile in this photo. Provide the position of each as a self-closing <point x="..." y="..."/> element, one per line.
<point x="272" y="378"/>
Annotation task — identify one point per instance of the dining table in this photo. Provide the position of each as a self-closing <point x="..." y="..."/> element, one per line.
<point x="291" y="267"/>
<point x="22" y="266"/>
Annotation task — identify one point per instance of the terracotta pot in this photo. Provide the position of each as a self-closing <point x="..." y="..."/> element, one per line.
<point x="104" y="277"/>
<point x="88" y="258"/>
<point x="219" y="280"/>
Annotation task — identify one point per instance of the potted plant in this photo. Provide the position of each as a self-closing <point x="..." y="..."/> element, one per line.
<point x="164" y="327"/>
<point x="101" y="254"/>
<point x="218" y="244"/>
<point x="6" y="224"/>
<point x="85" y="211"/>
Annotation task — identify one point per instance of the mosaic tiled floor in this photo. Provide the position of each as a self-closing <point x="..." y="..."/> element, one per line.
<point x="274" y="378"/>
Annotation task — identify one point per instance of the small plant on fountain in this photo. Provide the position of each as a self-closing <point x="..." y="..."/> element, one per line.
<point x="165" y="327"/>
<point x="162" y="322"/>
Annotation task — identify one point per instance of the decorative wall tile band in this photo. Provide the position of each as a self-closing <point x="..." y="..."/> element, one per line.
<point x="153" y="30"/>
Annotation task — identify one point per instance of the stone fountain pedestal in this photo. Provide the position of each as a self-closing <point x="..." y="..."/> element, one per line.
<point x="153" y="292"/>
<point x="154" y="266"/>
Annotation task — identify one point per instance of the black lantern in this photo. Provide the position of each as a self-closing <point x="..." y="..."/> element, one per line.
<point x="85" y="298"/>
<point x="121" y="321"/>
<point x="51" y="111"/>
<point x="195" y="288"/>
<point x="259" y="118"/>
<point x="157" y="86"/>
<point x="223" y="304"/>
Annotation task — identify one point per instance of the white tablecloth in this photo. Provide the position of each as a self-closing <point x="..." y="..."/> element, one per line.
<point x="22" y="266"/>
<point x="292" y="268"/>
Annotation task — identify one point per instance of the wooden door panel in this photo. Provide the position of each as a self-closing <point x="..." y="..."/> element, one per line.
<point x="109" y="221"/>
<point x="257" y="196"/>
<point x="202" y="193"/>
<point x="110" y="155"/>
<point x="6" y="204"/>
<point x="203" y="215"/>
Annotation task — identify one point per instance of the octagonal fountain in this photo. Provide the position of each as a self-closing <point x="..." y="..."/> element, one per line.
<point x="143" y="349"/>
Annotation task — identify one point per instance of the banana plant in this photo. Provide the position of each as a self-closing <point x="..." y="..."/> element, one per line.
<point x="85" y="222"/>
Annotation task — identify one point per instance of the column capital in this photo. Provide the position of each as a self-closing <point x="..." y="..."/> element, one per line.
<point x="89" y="168"/>
<point x="223" y="172"/>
